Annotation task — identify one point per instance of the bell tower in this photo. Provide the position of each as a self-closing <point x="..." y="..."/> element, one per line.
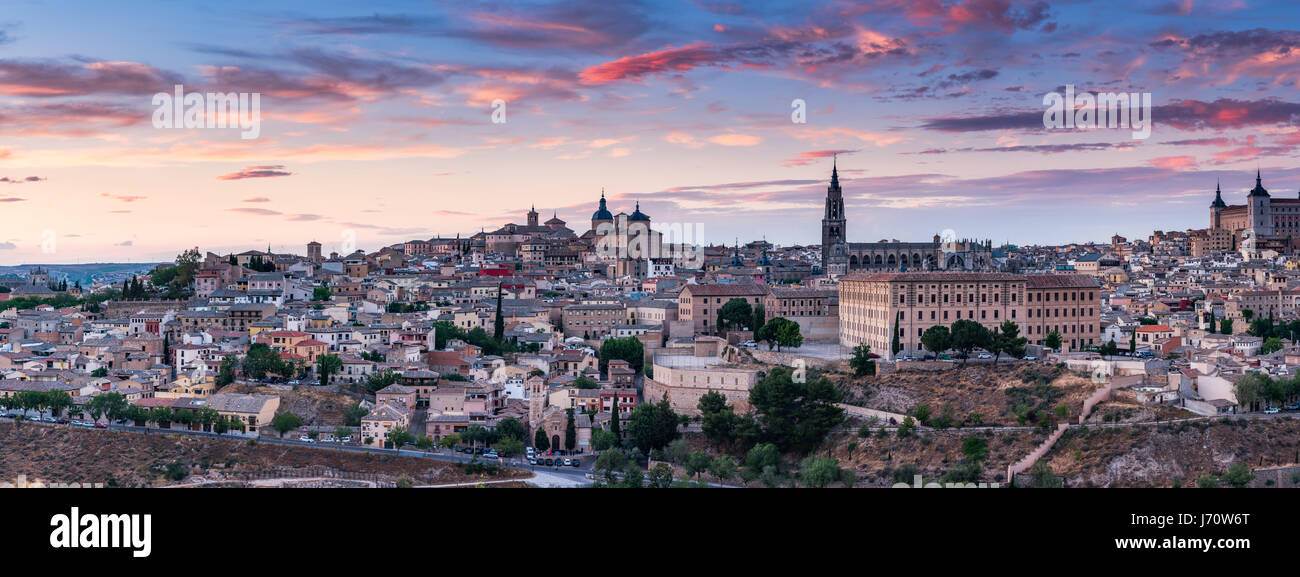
<point x="835" y="250"/>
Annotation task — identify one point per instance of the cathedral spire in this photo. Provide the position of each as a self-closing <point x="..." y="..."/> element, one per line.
<point x="835" y="171"/>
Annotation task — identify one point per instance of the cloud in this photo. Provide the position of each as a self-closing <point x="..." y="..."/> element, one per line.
<point x="584" y="25"/>
<point x="257" y="199"/>
<point x="806" y="158"/>
<point x="48" y="78"/>
<point x="1041" y="148"/>
<point x="11" y="199"/>
<point x="7" y="180"/>
<point x="256" y="211"/>
<point x="305" y="217"/>
<point x="8" y="246"/>
<point x="1223" y="113"/>
<point x="1173" y="161"/>
<point x="1006" y="16"/>
<point x="125" y="243"/>
<point x="736" y="140"/>
<point x="67" y="119"/>
<point x="263" y="171"/>
<point x="122" y="197"/>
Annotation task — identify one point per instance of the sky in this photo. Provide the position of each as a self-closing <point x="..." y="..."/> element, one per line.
<point x="381" y="122"/>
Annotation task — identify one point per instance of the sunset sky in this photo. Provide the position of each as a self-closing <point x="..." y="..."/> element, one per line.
<point x="377" y="119"/>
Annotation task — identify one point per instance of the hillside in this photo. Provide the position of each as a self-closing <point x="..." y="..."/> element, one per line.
<point x="120" y="459"/>
<point x="1160" y="455"/>
<point x="995" y="393"/>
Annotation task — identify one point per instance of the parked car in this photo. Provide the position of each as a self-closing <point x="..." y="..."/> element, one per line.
<point x="101" y="426"/>
<point x="985" y="356"/>
<point x="491" y="455"/>
<point x="549" y="462"/>
<point x="48" y="419"/>
<point x="568" y="462"/>
<point x="577" y="462"/>
<point x="345" y="440"/>
<point x="63" y="421"/>
<point x="1272" y="411"/>
<point x="1293" y="406"/>
<point x="532" y="461"/>
<point x="87" y="424"/>
<point x="1030" y="358"/>
<point x="306" y="439"/>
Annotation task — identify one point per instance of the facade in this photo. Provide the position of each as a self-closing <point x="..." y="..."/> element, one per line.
<point x="840" y="257"/>
<point x="872" y="304"/>
<point x="1263" y="218"/>
<point x="698" y="304"/>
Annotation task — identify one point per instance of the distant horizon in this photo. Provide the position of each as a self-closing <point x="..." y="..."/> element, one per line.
<point x="375" y="125"/>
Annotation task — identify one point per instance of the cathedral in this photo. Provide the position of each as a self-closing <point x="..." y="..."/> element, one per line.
<point x="840" y="257"/>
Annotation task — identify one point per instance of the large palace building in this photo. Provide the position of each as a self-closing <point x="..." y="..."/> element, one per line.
<point x="871" y="304"/>
<point x="840" y="257"/>
<point x="1263" y="222"/>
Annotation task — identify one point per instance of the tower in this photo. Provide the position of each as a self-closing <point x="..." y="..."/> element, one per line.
<point x="602" y="214"/>
<point x="532" y="216"/>
<point x="835" y="251"/>
<point x="1216" y="207"/>
<point x="1259" y="210"/>
<point x="313" y="251"/>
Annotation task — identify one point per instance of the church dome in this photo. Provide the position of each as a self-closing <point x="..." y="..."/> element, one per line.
<point x="602" y="213"/>
<point x="638" y="215"/>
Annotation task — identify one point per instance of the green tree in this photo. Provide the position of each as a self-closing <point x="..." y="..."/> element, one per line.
<point x="400" y="436"/>
<point x="1249" y="388"/>
<point x="1271" y="345"/>
<point x="698" y="462"/>
<point x="975" y="448"/>
<point x="285" y="422"/>
<point x="818" y="472"/>
<point x="862" y="363"/>
<point x="661" y="476"/>
<point x="1225" y="327"/>
<point x="718" y="420"/>
<point x="99" y="373"/>
<point x="603" y="440"/>
<point x="723" y="467"/>
<point x="968" y="335"/>
<point x="1053" y="341"/>
<point x="226" y="374"/>
<point x="1008" y="340"/>
<point x="511" y="428"/>
<point x="499" y="324"/>
<point x="936" y="339"/>
<point x="610" y="461"/>
<point x="327" y="365"/>
<point x="570" y="431"/>
<point x="321" y="293"/>
<point x="540" y="442"/>
<point x="734" y="313"/>
<point x="261" y="360"/>
<point x="780" y="332"/>
<point x="628" y="349"/>
<point x="795" y="416"/>
<point x="1239" y="476"/>
<point x="352" y="415"/>
<point x="653" y="425"/>
<point x="895" y="344"/>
